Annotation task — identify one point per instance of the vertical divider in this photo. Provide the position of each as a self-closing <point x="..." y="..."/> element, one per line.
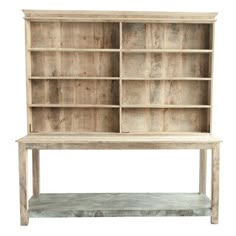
<point x="120" y="81"/>
<point x="28" y="74"/>
<point x="210" y="73"/>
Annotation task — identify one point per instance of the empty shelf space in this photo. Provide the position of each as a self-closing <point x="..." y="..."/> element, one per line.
<point x="165" y="93"/>
<point x="119" y="204"/>
<point x="166" y="36"/>
<point x="75" y="35"/>
<point x="159" y="65"/>
<point x="75" y="92"/>
<point x="164" y="120"/>
<point x="81" y="64"/>
<point x="82" y="119"/>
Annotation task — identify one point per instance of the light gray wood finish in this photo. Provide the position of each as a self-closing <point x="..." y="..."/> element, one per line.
<point x="164" y="120"/>
<point x="202" y="171"/>
<point x="215" y="184"/>
<point x="23" y="184"/>
<point x="121" y="141"/>
<point x="165" y="92"/>
<point x="75" y="119"/>
<point x="119" y="204"/>
<point x="157" y="65"/>
<point x="36" y="171"/>
<point x="119" y="80"/>
<point x="117" y="16"/>
<point x="166" y="36"/>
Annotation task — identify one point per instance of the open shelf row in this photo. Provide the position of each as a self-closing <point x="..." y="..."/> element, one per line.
<point x="101" y="35"/>
<point x="125" y="120"/>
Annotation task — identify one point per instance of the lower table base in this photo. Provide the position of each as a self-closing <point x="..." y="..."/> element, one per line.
<point x="119" y="204"/>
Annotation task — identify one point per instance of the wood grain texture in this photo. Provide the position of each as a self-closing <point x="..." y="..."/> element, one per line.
<point x="75" y="92"/>
<point x="165" y="92"/>
<point x="23" y="183"/>
<point x="215" y="184"/>
<point x="117" y="16"/>
<point x="165" y="36"/>
<point x="119" y="141"/>
<point x="36" y="172"/>
<point x="203" y="171"/>
<point x="75" y="119"/>
<point x="98" y="64"/>
<point x="164" y="120"/>
<point x="157" y="65"/>
<point x="119" y="204"/>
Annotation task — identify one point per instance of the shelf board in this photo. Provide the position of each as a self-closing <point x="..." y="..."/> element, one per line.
<point x="73" y="50"/>
<point x="167" y="78"/>
<point x="74" y="105"/>
<point x="123" y="50"/>
<point x="164" y="106"/>
<point x="119" y="204"/>
<point x="71" y="78"/>
<point x="168" y="50"/>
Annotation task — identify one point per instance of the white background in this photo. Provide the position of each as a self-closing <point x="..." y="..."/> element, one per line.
<point x="115" y="171"/>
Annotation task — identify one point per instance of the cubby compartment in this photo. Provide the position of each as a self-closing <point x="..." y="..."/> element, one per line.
<point x="162" y="65"/>
<point x="166" y="36"/>
<point x="74" y="35"/>
<point x="75" y="119"/>
<point x="155" y="120"/>
<point x="83" y="64"/>
<point x="64" y="91"/>
<point x="165" y="92"/>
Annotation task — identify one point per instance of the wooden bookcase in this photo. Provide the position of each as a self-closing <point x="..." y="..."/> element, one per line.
<point x="119" y="74"/>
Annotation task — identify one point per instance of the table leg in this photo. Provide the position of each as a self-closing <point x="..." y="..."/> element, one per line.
<point x="36" y="172"/>
<point x="203" y="171"/>
<point x="215" y="184"/>
<point x="23" y="184"/>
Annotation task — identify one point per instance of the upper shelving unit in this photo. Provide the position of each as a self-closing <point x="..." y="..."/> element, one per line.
<point x="121" y="73"/>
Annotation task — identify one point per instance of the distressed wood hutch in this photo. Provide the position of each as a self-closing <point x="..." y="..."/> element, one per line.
<point x="119" y="80"/>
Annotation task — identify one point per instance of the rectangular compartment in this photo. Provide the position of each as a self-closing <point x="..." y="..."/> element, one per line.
<point x="75" y="92"/>
<point x="136" y="120"/>
<point x="75" y="120"/>
<point x="74" y="35"/>
<point x="158" y="65"/>
<point x="166" y="36"/>
<point x="161" y="92"/>
<point x="84" y="64"/>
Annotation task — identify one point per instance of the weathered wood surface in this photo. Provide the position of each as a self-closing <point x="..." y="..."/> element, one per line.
<point x="119" y="204"/>
<point x="116" y="16"/>
<point x="115" y="141"/>
<point x="36" y="171"/>
<point x="215" y="184"/>
<point x="23" y="184"/>
<point x="203" y="171"/>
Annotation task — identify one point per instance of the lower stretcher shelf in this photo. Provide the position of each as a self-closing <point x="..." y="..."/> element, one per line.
<point x="119" y="204"/>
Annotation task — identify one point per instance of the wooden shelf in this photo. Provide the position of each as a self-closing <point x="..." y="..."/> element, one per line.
<point x="73" y="50"/>
<point x="167" y="50"/>
<point x="122" y="50"/>
<point x="74" y="105"/>
<point x="166" y="78"/>
<point x="165" y="106"/>
<point x="71" y="78"/>
<point x="119" y="204"/>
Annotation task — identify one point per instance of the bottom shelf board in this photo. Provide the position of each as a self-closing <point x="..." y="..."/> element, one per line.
<point x="119" y="204"/>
